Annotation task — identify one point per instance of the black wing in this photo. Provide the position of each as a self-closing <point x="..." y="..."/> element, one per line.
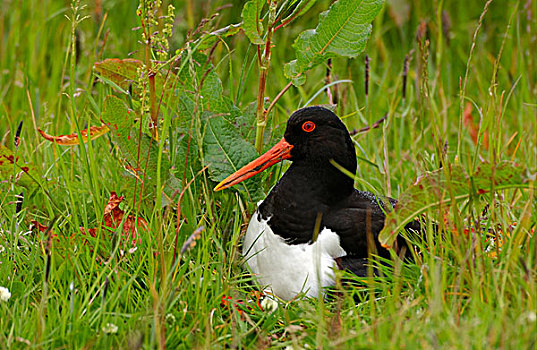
<point x="359" y="220"/>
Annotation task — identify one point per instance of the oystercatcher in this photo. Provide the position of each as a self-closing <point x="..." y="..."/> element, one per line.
<point x="313" y="220"/>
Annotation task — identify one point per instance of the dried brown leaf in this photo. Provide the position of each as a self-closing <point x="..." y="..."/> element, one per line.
<point x="72" y="139"/>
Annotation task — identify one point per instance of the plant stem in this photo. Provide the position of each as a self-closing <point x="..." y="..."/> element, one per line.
<point x="465" y="81"/>
<point x="280" y="94"/>
<point x="261" y="113"/>
<point x="151" y="79"/>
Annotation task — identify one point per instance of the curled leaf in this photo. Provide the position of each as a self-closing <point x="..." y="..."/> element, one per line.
<point x="72" y="139"/>
<point x="211" y="38"/>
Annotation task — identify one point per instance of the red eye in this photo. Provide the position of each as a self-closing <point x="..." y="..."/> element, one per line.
<point x="308" y="126"/>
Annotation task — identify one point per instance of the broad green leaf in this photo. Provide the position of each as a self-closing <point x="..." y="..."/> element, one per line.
<point x="212" y="93"/>
<point x="342" y="31"/>
<point x="202" y="88"/>
<point x="253" y="28"/>
<point x="140" y="151"/>
<point x="245" y="122"/>
<point x="202" y="82"/>
<point x="226" y="152"/>
<point x="12" y="169"/>
<point x="186" y="144"/>
<point x="433" y="189"/>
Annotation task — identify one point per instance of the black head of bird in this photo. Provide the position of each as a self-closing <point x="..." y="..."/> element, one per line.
<point x="317" y="142"/>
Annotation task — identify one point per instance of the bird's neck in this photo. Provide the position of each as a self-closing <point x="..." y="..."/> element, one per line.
<point x="302" y="194"/>
<point x="323" y="182"/>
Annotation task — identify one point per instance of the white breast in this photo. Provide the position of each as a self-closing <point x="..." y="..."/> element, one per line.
<point x="288" y="269"/>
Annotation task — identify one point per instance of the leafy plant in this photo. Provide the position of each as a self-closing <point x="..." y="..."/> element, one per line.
<point x="186" y="85"/>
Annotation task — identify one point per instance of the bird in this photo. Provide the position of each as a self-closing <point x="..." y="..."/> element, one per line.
<point x="313" y="221"/>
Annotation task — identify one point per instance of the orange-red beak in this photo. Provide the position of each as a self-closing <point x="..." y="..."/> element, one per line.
<point x="280" y="151"/>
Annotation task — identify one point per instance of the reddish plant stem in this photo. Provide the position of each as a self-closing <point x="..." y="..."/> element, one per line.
<point x="280" y="94"/>
<point x="152" y="92"/>
<point x="283" y="24"/>
<point x="369" y="127"/>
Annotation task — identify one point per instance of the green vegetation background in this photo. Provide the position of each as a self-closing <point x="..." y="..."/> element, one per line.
<point x="465" y="292"/>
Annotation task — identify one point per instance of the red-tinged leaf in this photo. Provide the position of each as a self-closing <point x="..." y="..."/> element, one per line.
<point x="90" y="231"/>
<point x="12" y="169"/>
<point x="40" y="227"/>
<point x="125" y="73"/>
<point x="72" y="139"/>
<point x="433" y="189"/>
<point x="43" y="229"/>
<point x="114" y="216"/>
<point x="472" y="127"/>
<point x="122" y="72"/>
<point x="113" y="203"/>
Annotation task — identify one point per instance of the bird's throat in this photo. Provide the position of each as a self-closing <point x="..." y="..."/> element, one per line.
<point x="324" y="183"/>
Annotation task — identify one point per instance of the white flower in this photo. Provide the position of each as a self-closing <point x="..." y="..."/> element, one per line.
<point x="269" y="304"/>
<point x="110" y="328"/>
<point x="170" y="319"/>
<point x="4" y="294"/>
<point x="531" y="316"/>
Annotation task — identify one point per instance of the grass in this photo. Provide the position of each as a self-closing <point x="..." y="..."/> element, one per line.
<point x="463" y="292"/>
